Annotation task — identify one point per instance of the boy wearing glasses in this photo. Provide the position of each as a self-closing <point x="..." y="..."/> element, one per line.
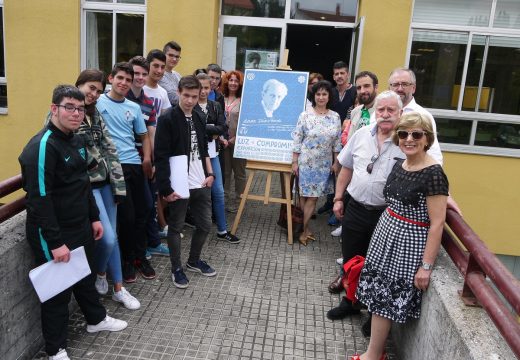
<point x="62" y="215"/>
<point x="171" y="78"/>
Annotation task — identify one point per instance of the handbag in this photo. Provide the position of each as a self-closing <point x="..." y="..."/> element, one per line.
<point x="296" y="210"/>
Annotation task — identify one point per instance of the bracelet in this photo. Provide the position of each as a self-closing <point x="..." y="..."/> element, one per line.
<point x="336" y="199"/>
<point x="211" y="174"/>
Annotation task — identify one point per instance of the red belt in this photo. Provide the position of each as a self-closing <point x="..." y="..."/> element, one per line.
<point x="396" y="215"/>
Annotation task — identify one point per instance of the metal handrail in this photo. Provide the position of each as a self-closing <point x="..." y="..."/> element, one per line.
<point x="475" y="264"/>
<point x="12" y="208"/>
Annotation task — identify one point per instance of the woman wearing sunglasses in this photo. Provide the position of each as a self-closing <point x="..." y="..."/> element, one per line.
<point x="407" y="238"/>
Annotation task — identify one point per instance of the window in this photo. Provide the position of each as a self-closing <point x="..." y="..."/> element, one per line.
<point x="467" y="63"/>
<point x="113" y="31"/>
<point x="259" y="8"/>
<point x="343" y="11"/>
<point x="3" y="81"/>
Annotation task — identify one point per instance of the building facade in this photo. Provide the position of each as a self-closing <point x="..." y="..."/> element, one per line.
<point x="466" y="55"/>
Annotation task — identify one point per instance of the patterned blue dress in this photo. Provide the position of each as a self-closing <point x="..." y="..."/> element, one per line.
<point x="316" y="137"/>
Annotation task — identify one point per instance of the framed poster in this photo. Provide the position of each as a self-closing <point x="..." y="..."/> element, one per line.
<point x="261" y="59"/>
<point x="272" y="101"/>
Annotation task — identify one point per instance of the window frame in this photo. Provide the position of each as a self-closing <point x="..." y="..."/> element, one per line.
<point x="114" y="9"/>
<point x="3" y="79"/>
<point x="466" y="115"/>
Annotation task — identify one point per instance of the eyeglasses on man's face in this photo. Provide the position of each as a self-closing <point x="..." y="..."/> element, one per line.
<point x="71" y="108"/>
<point x="404" y="85"/>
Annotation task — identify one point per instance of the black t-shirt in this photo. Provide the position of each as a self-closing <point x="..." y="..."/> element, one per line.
<point x="341" y="106"/>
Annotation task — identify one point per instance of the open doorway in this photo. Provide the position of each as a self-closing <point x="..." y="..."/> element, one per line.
<point x="316" y="48"/>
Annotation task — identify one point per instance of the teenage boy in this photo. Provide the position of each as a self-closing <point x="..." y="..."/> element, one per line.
<point x="136" y="94"/>
<point x="157" y="61"/>
<point x="62" y="215"/>
<point x="170" y="80"/>
<point x="124" y="118"/>
<point x="181" y="131"/>
<point x="213" y="115"/>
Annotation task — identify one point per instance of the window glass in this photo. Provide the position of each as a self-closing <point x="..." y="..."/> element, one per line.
<point x="502" y="76"/>
<point x="99" y="41"/>
<point x="119" y="1"/>
<point x="460" y="12"/>
<point x="453" y="131"/>
<point x="498" y="135"/>
<point x="473" y="78"/>
<point x="507" y="14"/>
<point x="2" y="58"/>
<point x="344" y="11"/>
<point x="239" y="40"/>
<point x="130" y="36"/>
<point x="257" y="8"/>
<point x="3" y="96"/>
<point x="437" y="58"/>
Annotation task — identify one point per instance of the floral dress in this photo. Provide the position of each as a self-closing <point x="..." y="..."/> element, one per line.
<point x="386" y="283"/>
<point x="316" y="137"/>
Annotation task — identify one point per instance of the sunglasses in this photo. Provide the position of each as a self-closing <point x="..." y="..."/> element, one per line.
<point x="416" y="135"/>
<point x="370" y="166"/>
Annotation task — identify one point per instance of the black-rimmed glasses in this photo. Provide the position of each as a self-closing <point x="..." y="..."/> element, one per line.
<point x="416" y="135"/>
<point x="71" y="108"/>
<point x="370" y="166"/>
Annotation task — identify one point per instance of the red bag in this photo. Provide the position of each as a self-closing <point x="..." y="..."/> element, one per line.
<point x="350" y="280"/>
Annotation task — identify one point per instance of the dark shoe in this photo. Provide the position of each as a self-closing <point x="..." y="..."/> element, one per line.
<point x="336" y="285"/>
<point x="333" y="221"/>
<point x="344" y="309"/>
<point x="326" y="207"/>
<point x="366" y="329"/>
<point x="230" y="238"/>
<point x="180" y="279"/>
<point x="129" y="273"/>
<point x="144" y="267"/>
<point x="201" y="267"/>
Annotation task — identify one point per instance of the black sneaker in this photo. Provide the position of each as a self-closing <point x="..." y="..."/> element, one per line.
<point x="202" y="267"/>
<point x="230" y="238"/>
<point x="144" y="267"/>
<point x="344" y="309"/>
<point x="129" y="273"/>
<point x="326" y="207"/>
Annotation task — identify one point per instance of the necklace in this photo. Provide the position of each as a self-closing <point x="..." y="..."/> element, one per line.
<point x="321" y="112"/>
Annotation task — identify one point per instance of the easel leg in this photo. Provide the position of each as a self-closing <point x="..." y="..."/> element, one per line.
<point x="287" y="183"/>
<point x="243" y="202"/>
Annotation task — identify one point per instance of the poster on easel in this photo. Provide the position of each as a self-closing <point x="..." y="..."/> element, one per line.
<point x="272" y="101"/>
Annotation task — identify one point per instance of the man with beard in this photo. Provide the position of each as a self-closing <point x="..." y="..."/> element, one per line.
<point x="366" y="86"/>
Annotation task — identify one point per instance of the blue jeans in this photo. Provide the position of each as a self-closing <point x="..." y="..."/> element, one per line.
<point x="107" y="256"/>
<point x="217" y="196"/>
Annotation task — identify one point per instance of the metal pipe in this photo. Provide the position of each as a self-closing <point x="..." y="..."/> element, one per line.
<point x="10" y="185"/>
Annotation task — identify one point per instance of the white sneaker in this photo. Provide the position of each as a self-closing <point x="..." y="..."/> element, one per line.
<point x="101" y="284"/>
<point x="60" y="355"/>
<point x="126" y="299"/>
<point x="108" y="324"/>
<point x="336" y="232"/>
<point x="339" y="261"/>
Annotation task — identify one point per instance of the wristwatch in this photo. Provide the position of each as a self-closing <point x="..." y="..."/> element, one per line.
<point x="211" y="174"/>
<point x="427" y="266"/>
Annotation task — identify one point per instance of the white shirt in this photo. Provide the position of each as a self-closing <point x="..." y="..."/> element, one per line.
<point x="196" y="174"/>
<point x="367" y="188"/>
<point x="159" y="97"/>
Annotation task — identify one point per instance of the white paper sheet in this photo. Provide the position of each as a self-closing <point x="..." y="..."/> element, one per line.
<point x="212" y="149"/>
<point x="179" y="175"/>
<point x="52" y="278"/>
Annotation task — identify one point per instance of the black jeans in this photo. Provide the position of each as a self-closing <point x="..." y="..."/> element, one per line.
<point x="200" y="206"/>
<point x="55" y="311"/>
<point x="132" y="215"/>
<point x="358" y="225"/>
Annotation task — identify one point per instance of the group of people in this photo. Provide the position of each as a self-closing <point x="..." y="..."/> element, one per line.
<point x="98" y="175"/>
<point x="390" y="192"/>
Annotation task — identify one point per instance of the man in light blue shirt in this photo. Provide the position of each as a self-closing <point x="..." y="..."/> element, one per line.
<point x="124" y="118"/>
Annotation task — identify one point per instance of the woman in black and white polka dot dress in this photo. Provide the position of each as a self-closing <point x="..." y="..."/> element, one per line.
<point x="407" y="238"/>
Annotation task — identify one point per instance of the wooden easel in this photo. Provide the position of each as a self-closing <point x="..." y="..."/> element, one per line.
<point x="285" y="174"/>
